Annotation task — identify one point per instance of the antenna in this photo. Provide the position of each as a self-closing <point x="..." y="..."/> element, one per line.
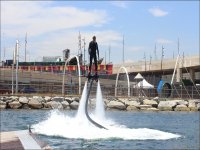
<point x="145" y="60"/>
<point x="25" y="46"/>
<point x="109" y="53"/>
<point x="79" y="44"/>
<point x="105" y="57"/>
<point x="123" y="50"/>
<point x="150" y="61"/>
<point x="155" y="55"/>
<point x="178" y="47"/>
<point x="162" y="55"/>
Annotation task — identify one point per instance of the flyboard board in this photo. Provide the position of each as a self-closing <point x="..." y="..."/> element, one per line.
<point x="91" y="78"/>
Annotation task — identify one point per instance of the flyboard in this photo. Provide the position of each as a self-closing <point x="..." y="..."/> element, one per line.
<point x="91" y="79"/>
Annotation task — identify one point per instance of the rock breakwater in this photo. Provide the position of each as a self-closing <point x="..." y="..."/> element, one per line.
<point x="111" y="103"/>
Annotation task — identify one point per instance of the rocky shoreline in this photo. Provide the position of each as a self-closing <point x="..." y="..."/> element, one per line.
<point x="111" y="103"/>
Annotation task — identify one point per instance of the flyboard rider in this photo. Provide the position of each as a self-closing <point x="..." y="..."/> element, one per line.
<point x="93" y="52"/>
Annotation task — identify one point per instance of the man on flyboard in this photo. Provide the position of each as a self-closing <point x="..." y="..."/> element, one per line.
<point x="92" y="49"/>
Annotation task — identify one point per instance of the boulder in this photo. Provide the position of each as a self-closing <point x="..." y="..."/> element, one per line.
<point x="2" y="104"/>
<point x="116" y="105"/>
<point x="198" y="106"/>
<point x="23" y="100"/>
<point x="39" y="98"/>
<point x="54" y="105"/>
<point x="15" y="104"/>
<point x="14" y="98"/>
<point x="144" y="107"/>
<point x="5" y="98"/>
<point x="167" y="105"/>
<point x="68" y="99"/>
<point x="193" y="103"/>
<point x="153" y="103"/>
<point x="181" y="102"/>
<point x="132" y="108"/>
<point x="57" y="99"/>
<point x="25" y="106"/>
<point x="152" y="109"/>
<point x="35" y="103"/>
<point x="76" y="99"/>
<point x="74" y="105"/>
<point x="123" y="100"/>
<point x="65" y="105"/>
<point x="182" y="108"/>
<point x="132" y="103"/>
<point x="47" y="98"/>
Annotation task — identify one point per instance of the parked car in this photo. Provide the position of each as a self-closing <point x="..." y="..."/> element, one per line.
<point x="28" y="90"/>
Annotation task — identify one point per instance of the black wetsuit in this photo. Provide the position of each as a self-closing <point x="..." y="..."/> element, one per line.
<point x="93" y="47"/>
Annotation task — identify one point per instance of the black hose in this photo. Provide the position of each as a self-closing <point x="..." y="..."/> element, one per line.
<point x="86" y="106"/>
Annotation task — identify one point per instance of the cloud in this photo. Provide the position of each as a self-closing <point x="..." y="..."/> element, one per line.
<point x="38" y="18"/>
<point x="54" y="43"/>
<point x="163" y="41"/>
<point x="157" y="12"/>
<point x="120" y="4"/>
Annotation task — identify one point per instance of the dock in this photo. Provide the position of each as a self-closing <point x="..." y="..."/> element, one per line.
<point x="21" y="140"/>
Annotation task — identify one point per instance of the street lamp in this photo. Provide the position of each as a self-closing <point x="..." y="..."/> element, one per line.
<point x="162" y="56"/>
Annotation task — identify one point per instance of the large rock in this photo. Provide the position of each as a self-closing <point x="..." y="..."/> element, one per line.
<point x="192" y="104"/>
<point x="54" y="105"/>
<point x="58" y="99"/>
<point x="144" y="107"/>
<point x="10" y="99"/>
<point x="74" y="105"/>
<point x="167" y="105"/>
<point x="153" y="103"/>
<point x="123" y="100"/>
<point x="14" y="98"/>
<point x="2" y="104"/>
<point x="198" y="106"/>
<point x="25" y="106"/>
<point x="15" y="104"/>
<point x="132" y="108"/>
<point x="47" y="98"/>
<point x="132" y="103"/>
<point x="116" y="105"/>
<point x="182" y="108"/>
<point x="23" y="100"/>
<point x="152" y="109"/>
<point x="4" y="98"/>
<point x="35" y="103"/>
<point x="181" y="102"/>
<point x="77" y="99"/>
<point x="69" y="99"/>
<point x="65" y="105"/>
<point x="39" y="98"/>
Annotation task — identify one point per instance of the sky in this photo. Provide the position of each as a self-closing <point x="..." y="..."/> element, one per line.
<point x="143" y="26"/>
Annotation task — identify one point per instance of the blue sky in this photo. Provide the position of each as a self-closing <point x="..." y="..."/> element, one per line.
<point x="53" y="26"/>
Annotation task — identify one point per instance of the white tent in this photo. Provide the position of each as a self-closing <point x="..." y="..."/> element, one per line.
<point x="138" y="76"/>
<point x="144" y="84"/>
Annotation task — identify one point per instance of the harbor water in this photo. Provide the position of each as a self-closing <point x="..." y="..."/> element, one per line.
<point x="143" y="125"/>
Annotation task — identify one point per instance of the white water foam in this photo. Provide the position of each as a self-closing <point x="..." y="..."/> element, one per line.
<point x="62" y="125"/>
<point x="99" y="109"/>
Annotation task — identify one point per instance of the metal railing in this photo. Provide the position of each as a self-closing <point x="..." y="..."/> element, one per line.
<point x="51" y="83"/>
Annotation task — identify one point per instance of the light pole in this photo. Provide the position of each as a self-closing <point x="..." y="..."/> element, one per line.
<point x="150" y="62"/>
<point x="162" y="56"/>
<point x="17" y="64"/>
<point x="145" y="61"/>
<point x="123" y="50"/>
<point x="84" y="53"/>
